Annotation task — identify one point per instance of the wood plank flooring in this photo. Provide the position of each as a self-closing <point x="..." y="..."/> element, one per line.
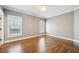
<point x="41" y="44"/>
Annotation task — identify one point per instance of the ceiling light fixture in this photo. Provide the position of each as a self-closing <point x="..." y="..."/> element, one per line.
<point x="43" y="7"/>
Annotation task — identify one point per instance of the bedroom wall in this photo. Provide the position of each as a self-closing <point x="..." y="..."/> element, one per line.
<point x="62" y="25"/>
<point x="30" y="26"/>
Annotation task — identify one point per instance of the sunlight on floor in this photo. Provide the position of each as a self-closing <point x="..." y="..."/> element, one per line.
<point x="42" y="45"/>
<point x="15" y="49"/>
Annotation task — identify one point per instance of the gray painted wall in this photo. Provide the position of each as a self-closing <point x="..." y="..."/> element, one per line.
<point x="31" y="24"/>
<point x="76" y="25"/>
<point x="62" y="25"/>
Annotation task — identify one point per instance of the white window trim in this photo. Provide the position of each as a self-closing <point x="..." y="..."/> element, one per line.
<point x="9" y="35"/>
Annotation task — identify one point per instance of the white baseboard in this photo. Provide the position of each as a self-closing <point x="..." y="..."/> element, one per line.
<point x="64" y="38"/>
<point x="8" y="41"/>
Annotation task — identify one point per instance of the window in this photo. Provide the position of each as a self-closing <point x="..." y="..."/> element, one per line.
<point x="42" y="26"/>
<point x="14" y="26"/>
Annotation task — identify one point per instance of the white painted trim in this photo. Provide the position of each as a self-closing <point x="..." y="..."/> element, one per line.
<point x="8" y="41"/>
<point x="34" y="14"/>
<point x="64" y="38"/>
<point x="23" y="38"/>
<point x="2" y="35"/>
<point x="76" y="8"/>
<point x="22" y="11"/>
<point x="64" y="12"/>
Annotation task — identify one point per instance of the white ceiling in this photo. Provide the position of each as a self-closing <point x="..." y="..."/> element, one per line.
<point x="53" y="10"/>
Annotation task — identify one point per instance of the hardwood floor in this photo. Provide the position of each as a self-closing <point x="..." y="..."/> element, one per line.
<point x="41" y="44"/>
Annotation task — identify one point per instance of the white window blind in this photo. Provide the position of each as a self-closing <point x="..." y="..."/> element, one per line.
<point x="14" y="26"/>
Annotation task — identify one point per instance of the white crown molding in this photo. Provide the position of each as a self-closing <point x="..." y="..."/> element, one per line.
<point x="22" y="11"/>
<point x="34" y="14"/>
<point x="62" y="13"/>
<point x="65" y="12"/>
<point x="76" y="8"/>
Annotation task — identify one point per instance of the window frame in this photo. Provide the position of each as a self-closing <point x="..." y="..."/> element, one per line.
<point x="42" y="22"/>
<point x="9" y="35"/>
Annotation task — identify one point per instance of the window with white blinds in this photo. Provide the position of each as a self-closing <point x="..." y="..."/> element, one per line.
<point x="14" y="26"/>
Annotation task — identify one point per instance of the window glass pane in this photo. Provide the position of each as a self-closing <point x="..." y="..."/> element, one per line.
<point x="42" y="26"/>
<point x="15" y="25"/>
